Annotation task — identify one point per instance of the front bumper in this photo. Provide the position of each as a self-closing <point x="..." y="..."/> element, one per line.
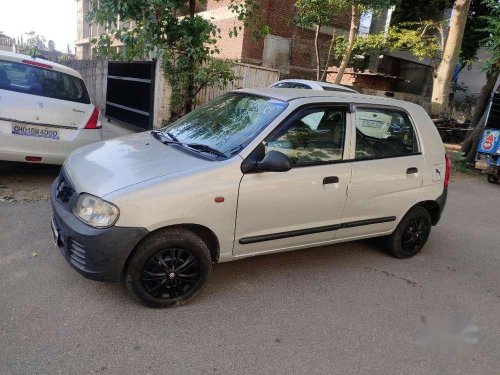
<point x="97" y="254"/>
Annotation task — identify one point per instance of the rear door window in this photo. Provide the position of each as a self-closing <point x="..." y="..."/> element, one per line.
<point x="42" y="82"/>
<point x="383" y="133"/>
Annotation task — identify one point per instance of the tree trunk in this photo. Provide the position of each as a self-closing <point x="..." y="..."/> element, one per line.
<point x="470" y="144"/>
<point x="327" y="62"/>
<point x="188" y="102"/>
<point x="473" y="140"/>
<point x="484" y="96"/>
<point x="444" y="72"/>
<point x="352" y="38"/>
<point x="316" y="49"/>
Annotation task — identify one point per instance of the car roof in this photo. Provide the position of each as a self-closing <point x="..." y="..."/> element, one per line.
<point x="19" y="58"/>
<point x="289" y="95"/>
<point x="316" y="84"/>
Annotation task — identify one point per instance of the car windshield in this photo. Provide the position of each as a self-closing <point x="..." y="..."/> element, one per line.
<point x="226" y="124"/>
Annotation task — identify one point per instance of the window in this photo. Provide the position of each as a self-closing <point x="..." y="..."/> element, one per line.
<point x="291" y="85"/>
<point x="43" y="82"/>
<point x="313" y="136"/>
<point x="382" y="133"/>
<point x="297" y="85"/>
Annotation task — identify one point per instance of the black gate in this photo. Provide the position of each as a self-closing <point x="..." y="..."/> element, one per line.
<point x="130" y="92"/>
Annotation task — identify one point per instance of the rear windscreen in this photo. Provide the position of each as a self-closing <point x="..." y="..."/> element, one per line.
<point x="43" y="82"/>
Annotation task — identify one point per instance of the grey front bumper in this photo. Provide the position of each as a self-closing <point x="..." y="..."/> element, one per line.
<point x="97" y="254"/>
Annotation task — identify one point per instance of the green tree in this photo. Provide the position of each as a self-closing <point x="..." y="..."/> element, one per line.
<point x="316" y="14"/>
<point x="444" y="72"/>
<point x="357" y="8"/>
<point x="492" y="69"/>
<point x="51" y="45"/>
<point x="33" y="44"/>
<point x="171" y="31"/>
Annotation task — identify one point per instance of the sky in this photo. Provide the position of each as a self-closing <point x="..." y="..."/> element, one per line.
<point x="53" y="19"/>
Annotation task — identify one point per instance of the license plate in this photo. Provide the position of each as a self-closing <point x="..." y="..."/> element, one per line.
<point x="55" y="234"/>
<point x="35" y="131"/>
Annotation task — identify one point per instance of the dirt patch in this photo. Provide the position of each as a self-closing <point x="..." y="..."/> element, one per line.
<point x="24" y="182"/>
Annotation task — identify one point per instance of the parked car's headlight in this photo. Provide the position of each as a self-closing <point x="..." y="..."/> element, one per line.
<point x="95" y="212"/>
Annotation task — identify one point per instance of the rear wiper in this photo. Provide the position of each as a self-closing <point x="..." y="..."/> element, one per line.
<point x="206" y="148"/>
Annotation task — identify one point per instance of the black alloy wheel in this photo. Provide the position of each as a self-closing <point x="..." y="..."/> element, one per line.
<point x="168" y="268"/>
<point x="171" y="273"/>
<point x="411" y="233"/>
<point x="415" y="235"/>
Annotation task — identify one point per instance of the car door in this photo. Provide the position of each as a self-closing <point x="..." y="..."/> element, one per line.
<point x="303" y="206"/>
<point x="387" y="171"/>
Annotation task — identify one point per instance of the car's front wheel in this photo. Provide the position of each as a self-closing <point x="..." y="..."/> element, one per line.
<point x="169" y="268"/>
<point x="411" y="234"/>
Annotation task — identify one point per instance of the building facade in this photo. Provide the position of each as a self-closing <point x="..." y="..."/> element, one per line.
<point x="7" y="43"/>
<point x="287" y="48"/>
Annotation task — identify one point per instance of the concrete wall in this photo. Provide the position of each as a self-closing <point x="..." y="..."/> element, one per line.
<point x="94" y="73"/>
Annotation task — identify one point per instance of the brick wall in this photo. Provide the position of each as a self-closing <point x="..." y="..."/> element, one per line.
<point x="278" y="15"/>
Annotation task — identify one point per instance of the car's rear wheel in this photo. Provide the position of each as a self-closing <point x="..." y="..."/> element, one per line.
<point x="169" y="268"/>
<point x="411" y="234"/>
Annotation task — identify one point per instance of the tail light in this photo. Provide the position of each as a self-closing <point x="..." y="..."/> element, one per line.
<point x="93" y="122"/>
<point x="447" y="173"/>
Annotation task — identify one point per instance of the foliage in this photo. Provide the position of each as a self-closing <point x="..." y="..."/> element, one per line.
<point x="475" y="31"/>
<point x="492" y="42"/>
<point x="396" y="39"/>
<point x="311" y="13"/>
<point x="319" y="13"/>
<point x="51" y="46"/>
<point x="33" y="44"/>
<point x="172" y="31"/>
<point x="420" y="11"/>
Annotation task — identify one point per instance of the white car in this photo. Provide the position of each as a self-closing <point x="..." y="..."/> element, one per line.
<point x="45" y="110"/>
<point x="252" y="172"/>
<point x="310" y="85"/>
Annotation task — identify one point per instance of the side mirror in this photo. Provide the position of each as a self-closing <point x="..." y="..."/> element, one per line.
<point x="274" y="161"/>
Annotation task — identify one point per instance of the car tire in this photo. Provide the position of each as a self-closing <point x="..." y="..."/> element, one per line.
<point x="411" y="234"/>
<point x="492" y="178"/>
<point x="169" y="268"/>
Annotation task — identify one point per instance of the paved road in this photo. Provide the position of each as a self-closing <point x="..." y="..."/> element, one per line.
<point x="343" y="309"/>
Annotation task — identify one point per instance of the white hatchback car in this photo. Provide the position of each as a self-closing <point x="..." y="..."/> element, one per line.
<point x="252" y="172"/>
<point x="45" y="110"/>
<point x="310" y="85"/>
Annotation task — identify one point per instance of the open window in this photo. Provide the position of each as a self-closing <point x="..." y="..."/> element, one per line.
<point x="383" y="133"/>
<point x="312" y="136"/>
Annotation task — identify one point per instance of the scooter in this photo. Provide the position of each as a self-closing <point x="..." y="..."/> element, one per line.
<point x="488" y="149"/>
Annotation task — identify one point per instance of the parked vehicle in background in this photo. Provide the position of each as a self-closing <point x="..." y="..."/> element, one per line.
<point x="310" y="85"/>
<point x="45" y="110"/>
<point x="488" y="149"/>
<point x="252" y="172"/>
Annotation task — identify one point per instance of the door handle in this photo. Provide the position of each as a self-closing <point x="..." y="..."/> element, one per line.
<point x="330" y="180"/>
<point x="412" y="170"/>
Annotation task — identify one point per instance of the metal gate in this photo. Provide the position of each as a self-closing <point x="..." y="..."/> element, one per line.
<point x="130" y="92"/>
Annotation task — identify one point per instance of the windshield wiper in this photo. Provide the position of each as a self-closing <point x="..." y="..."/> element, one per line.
<point x="207" y="148"/>
<point x="172" y="137"/>
<point x="195" y="146"/>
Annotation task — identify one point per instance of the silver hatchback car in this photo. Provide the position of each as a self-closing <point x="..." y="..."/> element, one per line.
<point x="252" y="172"/>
